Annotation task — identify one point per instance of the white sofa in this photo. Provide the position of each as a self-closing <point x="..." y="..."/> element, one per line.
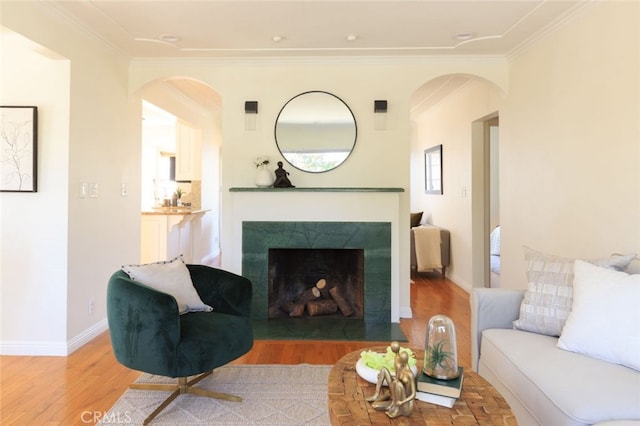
<point x="545" y="385"/>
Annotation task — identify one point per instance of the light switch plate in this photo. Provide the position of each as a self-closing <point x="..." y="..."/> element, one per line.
<point x="93" y="190"/>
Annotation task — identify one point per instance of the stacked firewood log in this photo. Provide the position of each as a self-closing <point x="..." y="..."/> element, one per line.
<point x="320" y="299"/>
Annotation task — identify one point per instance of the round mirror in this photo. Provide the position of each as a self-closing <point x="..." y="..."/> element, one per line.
<point x="315" y="131"/>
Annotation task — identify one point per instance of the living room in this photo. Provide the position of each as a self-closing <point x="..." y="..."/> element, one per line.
<point x="568" y="103"/>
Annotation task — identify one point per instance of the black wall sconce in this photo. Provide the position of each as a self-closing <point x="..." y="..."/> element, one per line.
<point x="250" y="115"/>
<point x="380" y="114"/>
<point x="380" y="106"/>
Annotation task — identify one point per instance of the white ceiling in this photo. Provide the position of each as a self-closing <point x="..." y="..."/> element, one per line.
<point x="232" y="28"/>
<point x="308" y="28"/>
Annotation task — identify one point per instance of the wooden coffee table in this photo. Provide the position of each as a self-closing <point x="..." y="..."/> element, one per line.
<point x="479" y="404"/>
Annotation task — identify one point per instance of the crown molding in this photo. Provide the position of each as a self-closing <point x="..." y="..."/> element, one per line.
<point x="401" y="55"/>
<point x="325" y="60"/>
<point x="80" y="28"/>
<point x="576" y="11"/>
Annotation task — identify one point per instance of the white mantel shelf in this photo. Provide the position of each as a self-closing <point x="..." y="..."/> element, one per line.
<point x="315" y="189"/>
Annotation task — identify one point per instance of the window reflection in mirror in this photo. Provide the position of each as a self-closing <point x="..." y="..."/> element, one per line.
<point x="315" y="131"/>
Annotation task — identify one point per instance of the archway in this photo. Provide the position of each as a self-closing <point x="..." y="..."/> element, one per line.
<point x="196" y="109"/>
<point x="446" y="111"/>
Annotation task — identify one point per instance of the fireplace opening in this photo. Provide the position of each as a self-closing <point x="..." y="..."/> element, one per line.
<point x="316" y="282"/>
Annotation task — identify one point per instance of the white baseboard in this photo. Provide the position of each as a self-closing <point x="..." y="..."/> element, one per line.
<point x="40" y="348"/>
<point x="86" y="336"/>
<point x="461" y="283"/>
<point x="406" y="312"/>
<point x="43" y="348"/>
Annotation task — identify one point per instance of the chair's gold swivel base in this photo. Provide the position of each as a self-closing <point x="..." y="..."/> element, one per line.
<point x="183" y="386"/>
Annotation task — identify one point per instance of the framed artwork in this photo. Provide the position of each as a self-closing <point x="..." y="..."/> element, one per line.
<point x="18" y="148"/>
<point x="433" y="170"/>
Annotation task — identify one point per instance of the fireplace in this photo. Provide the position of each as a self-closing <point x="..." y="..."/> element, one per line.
<point x="363" y="243"/>
<point x="316" y="282"/>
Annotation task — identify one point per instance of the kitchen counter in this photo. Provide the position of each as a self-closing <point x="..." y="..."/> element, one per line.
<point x="168" y="232"/>
<point x="171" y="211"/>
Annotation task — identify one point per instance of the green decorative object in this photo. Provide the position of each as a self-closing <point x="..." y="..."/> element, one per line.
<point x="440" y="351"/>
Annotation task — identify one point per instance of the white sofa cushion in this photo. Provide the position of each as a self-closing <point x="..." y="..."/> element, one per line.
<point x="549" y="296"/>
<point x="604" y="321"/>
<point x="557" y="387"/>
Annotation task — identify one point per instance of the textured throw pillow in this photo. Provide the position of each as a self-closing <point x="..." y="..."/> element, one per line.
<point x="549" y="296"/>
<point x="604" y="322"/>
<point x="633" y="267"/>
<point x="171" y="277"/>
<point x="416" y="218"/>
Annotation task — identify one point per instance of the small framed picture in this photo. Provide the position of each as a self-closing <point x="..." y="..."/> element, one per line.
<point x="433" y="170"/>
<point x="18" y="148"/>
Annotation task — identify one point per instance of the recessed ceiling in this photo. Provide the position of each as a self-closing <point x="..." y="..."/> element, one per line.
<point x="244" y="28"/>
<point x="307" y="28"/>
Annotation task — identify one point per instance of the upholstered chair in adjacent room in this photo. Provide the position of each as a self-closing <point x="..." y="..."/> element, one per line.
<point x="154" y="332"/>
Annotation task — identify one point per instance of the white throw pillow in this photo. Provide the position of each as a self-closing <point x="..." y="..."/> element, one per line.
<point x="549" y="296"/>
<point x="604" y="322"/>
<point x="494" y="242"/>
<point x="171" y="277"/>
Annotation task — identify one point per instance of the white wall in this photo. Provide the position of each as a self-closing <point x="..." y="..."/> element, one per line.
<point x="450" y="124"/>
<point x="381" y="157"/>
<point x="90" y="132"/>
<point x="494" y="177"/>
<point x="210" y="193"/>
<point x="33" y="226"/>
<point x="569" y="152"/>
<point x="570" y="142"/>
<point x="569" y="148"/>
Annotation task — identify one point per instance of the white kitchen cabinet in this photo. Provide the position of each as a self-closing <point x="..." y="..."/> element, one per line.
<point x="188" y="152"/>
<point x="166" y="236"/>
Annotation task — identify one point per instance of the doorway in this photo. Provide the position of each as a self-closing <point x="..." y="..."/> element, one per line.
<point x="486" y="228"/>
<point x="196" y="140"/>
<point x="492" y="140"/>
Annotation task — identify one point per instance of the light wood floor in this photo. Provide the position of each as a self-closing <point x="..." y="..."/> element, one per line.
<point x="77" y="389"/>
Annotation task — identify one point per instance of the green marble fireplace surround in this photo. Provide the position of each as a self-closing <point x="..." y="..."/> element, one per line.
<point x="374" y="238"/>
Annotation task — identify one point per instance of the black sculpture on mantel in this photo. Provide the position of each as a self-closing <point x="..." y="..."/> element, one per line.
<point x="282" y="181"/>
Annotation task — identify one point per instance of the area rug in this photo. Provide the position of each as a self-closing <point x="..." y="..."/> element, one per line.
<point x="272" y="395"/>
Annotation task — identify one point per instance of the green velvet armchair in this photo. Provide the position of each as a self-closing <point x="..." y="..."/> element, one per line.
<point x="148" y="334"/>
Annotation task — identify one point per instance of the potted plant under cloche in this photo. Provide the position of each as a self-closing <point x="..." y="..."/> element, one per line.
<point x="440" y="351"/>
